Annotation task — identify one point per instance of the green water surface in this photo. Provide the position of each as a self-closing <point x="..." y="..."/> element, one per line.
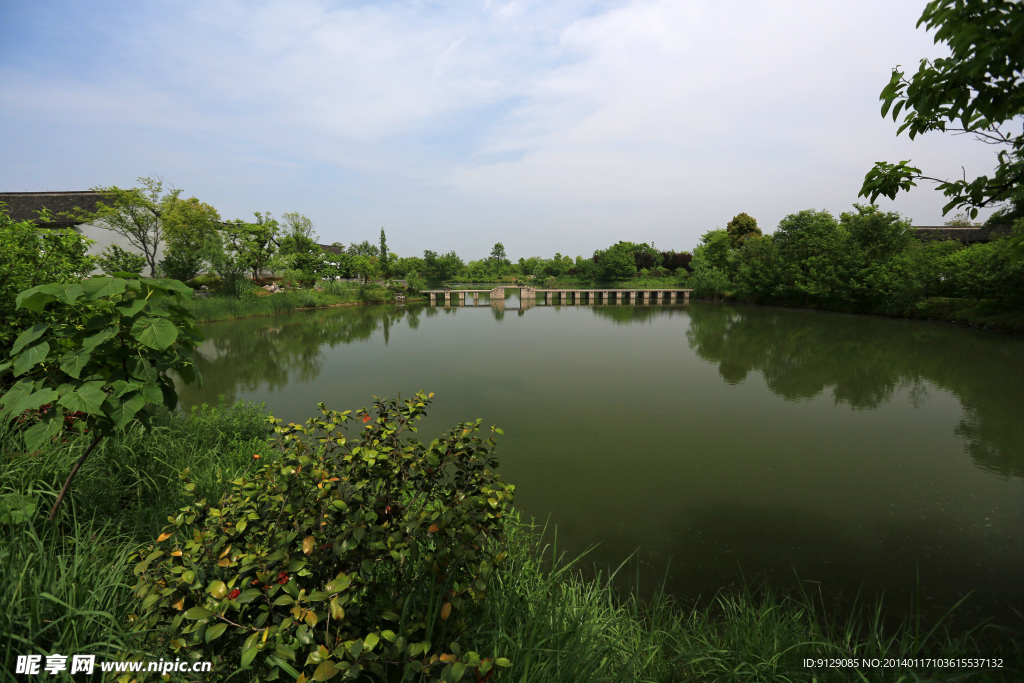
<point x="728" y="443"/>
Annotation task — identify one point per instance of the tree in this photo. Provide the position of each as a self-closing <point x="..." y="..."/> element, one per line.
<point x="815" y="255"/>
<point x="880" y="235"/>
<point x="299" y="246"/>
<point x="498" y="260"/>
<point x="137" y="215"/>
<point x="617" y="262"/>
<point x="385" y="262"/>
<point x="187" y="225"/>
<point x="740" y="228"/>
<point x="368" y="267"/>
<point x="254" y="244"/>
<point x="977" y="89"/>
<point x="364" y="248"/>
<point x="449" y="265"/>
<point x="190" y="230"/>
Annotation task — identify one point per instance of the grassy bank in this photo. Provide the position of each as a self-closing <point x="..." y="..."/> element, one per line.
<point x="68" y="588"/>
<point x="259" y="302"/>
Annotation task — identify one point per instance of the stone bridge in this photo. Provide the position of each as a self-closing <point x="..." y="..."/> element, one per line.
<point x="528" y="296"/>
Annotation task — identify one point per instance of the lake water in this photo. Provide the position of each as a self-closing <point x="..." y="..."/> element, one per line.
<point x="728" y="443"/>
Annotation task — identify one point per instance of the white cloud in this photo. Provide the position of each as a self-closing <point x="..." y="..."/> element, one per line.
<point x="662" y="114"/>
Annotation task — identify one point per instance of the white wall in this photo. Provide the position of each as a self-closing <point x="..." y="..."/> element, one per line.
<point x="104" y="238"/>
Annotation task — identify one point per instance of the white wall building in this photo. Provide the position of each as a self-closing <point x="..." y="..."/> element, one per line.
<point x="25" y="206"/>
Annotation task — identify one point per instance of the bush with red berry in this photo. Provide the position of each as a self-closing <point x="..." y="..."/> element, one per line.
<point x="342" y="557"/>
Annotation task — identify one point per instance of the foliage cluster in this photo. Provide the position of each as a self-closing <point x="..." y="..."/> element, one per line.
<point x="103" y="360"/>
<point x="867" y="260"/>
<point x="341" y="556"/>
<point x="34" y="256"/>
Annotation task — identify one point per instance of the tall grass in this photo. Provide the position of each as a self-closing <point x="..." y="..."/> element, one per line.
<point x="554" y="625"/>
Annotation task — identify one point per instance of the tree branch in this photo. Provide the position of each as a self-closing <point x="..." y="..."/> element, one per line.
<point x="74" y="471"/>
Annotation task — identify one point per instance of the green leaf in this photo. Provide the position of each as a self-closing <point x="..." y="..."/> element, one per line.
<point x="198" y="613"/>
<point x="36" y="298"/>
<point x="217" y="589"/>
<point x="88" y="398"/>
<point x="248" y="595"/>
<point x="73" y="362"/>
<point x="38" y="433"/>
<point x="71" y="293"/>
<point x="501" y="661"/>
<point x="156" y="333"/>
<point x="215" y="631"/>
<point x="370" y="641"/>
<point x="16" y="508"/>
<point x="27" y="337"/>
<point x="340" y="583"/>
<point x="130" y="310"/>
<point x="30" y="357"/>
<point x="99" y="287"/>
<point x="95" y="340"/>
<point x="125" y="410"/>
<point x="248" y="655"/>
<point x="22" y="396"/>
<point x="326" y="671"/>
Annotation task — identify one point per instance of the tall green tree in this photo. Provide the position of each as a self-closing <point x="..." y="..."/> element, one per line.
<point x="253" y="244"/>
<point x="136" y="214"/>
<point x="978" y="89"/>
<point x="385" y="262"/>
<point x="191" y="230"/>
<point x="298" y="246"/>
<point x="815" y="254"/>
<point x="741" y="228"/>
<point x="498" y="260"/>
<point x="617" y="262"/>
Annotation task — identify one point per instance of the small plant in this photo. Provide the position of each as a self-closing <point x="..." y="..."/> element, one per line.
<point x="341" y="556"/>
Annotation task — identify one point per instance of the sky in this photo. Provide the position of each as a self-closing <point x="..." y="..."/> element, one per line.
<point x="552" y="126"/>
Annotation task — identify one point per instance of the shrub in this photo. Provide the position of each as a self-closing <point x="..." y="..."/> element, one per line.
<point x="342" y="556"/>
<point x="114" y="259"/>
<point x="373" y="292"/>
<point x="181" y="265"/>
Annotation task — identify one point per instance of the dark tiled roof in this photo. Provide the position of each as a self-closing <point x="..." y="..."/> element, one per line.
<point x="331" y="248"/>
<point x="23" y="206"/>
<point x="960" y="234"/>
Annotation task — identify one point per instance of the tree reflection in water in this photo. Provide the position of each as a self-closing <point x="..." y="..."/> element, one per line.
<point x="864" y="360"/>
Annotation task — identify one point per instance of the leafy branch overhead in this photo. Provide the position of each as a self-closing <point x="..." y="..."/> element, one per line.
<point x="976" y="90"/>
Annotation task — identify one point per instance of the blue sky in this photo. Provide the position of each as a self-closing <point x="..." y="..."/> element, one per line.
<point x="549" y="125"/>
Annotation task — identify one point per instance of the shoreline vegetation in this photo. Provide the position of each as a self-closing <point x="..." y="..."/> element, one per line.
<point x="70" y="584"/>
<point x="984" y="313"/>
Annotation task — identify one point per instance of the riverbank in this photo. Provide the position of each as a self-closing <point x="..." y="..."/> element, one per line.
<point x="217" y="308"/>
<point x="70" y="586"/>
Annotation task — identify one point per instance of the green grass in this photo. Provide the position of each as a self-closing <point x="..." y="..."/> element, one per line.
<point x="68" y="587"/>
<point x="555" y="625"/>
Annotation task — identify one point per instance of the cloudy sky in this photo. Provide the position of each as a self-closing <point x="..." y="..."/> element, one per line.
<point x="549" y="125"/>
